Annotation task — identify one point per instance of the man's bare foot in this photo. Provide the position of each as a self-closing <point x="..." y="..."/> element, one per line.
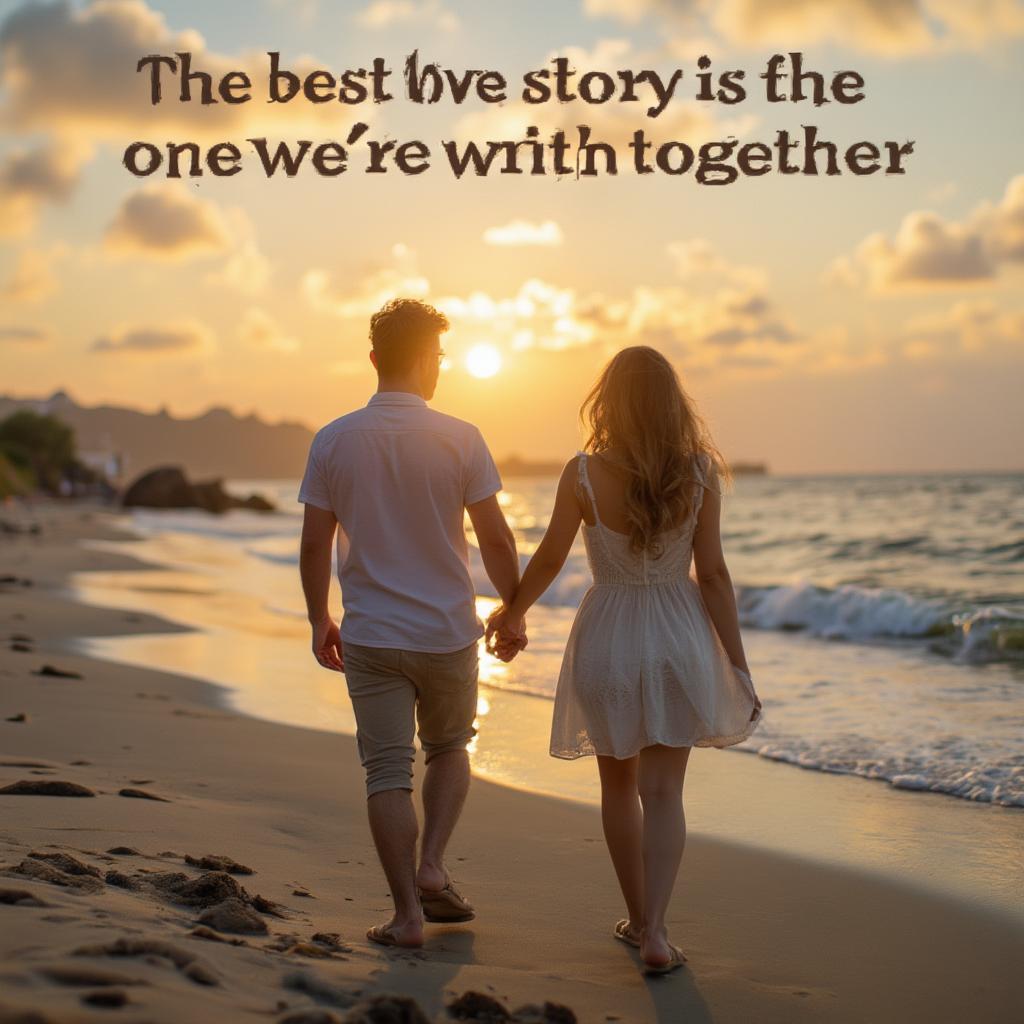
<point x="431" y="878"/>
<point x="407" y="935"/>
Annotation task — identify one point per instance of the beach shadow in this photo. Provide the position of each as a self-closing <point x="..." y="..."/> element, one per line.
<point x="676" y="997"/>
<point x="433" y="968"/>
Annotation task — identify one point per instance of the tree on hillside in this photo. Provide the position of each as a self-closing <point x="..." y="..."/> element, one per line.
<point x="39" y="445"/>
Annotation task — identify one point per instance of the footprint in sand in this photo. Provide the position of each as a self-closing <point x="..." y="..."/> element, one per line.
<point x="186" y="962"/>
<point x="218" y="862"/>
<point x="45" y="787"/>
<point x="76" y="975"/>
<point x="58" y="673"/>
<point x="108" y="998"/>
<point x="20" y="898"/>
<point x="142" y="794"/>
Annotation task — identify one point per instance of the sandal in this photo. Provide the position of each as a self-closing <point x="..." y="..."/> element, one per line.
<point x="445" y="906"/>
<point x="622" y="933"/>
<point x="677" y="959"/>
<point x="384" y="936"/>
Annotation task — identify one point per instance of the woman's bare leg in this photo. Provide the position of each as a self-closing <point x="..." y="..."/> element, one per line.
<point x="623" y="831"/>
<point x="660" y="782"/>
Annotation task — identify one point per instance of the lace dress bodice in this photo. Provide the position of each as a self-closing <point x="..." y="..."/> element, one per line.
<point x="613" y="562"/>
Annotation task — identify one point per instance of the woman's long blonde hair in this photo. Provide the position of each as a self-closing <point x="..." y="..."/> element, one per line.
<point x="639" y="409"/>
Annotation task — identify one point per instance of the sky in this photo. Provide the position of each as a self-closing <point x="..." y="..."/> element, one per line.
<point x="822" y="324"/>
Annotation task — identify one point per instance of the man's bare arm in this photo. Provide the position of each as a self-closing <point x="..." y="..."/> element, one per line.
<point x="315" y="547"/>
<point x="497" y="546"/>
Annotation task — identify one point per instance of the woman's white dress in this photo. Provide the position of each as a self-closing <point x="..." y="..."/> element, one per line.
<point x="643" y="664"/>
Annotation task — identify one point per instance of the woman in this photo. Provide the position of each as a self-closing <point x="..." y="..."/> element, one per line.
<point x="654" y="663"/>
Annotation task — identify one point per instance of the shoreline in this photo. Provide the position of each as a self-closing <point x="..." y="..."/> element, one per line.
<point x="770" y="937"/>
<point x="958" y="848"/>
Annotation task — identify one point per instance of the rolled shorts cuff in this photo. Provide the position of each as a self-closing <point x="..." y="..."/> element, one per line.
<point x="387" y="784"/>
<point x="431" y="750"/>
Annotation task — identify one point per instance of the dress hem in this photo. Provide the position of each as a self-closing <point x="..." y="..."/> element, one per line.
<point x="716" y="742"/>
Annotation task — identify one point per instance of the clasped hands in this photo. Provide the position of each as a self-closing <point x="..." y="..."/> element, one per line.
<point x="505" y="637"/>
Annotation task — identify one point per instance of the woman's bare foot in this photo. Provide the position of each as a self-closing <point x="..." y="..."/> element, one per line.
<point x="406" y="934"/>
<point x="655" y="949"/>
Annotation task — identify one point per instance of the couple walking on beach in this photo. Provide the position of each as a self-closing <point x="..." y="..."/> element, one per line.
<point x="654" y="663"/>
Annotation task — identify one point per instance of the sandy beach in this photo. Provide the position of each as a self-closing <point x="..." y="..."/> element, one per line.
<point x="110" y="910"/>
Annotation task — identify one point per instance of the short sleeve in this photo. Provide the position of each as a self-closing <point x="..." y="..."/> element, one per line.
<point x="313" y="490"/>
<point x="481" y="478"/>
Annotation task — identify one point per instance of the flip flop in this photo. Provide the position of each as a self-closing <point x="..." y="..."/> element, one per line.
<point x="384" y="936"/>
<point x="445" y="906"/>
<point x="677" y="959"/>
<point x="622" y="933"/>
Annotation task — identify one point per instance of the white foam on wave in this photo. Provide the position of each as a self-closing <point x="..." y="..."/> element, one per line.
<point x="843" y="613"/>
<point x="957" y="772"/>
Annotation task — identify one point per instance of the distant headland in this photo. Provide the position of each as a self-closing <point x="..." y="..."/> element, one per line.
<point x="514" y="465"/>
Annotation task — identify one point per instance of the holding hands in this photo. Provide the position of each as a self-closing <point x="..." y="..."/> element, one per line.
<point x="505" y="635"/>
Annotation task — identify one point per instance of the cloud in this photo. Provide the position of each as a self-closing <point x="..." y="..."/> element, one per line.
<point x="70" y="70"/>
<point x="929" y="251"/>
<point x="925" y="250"/>
<point x="259" y="330"/>
<point x="523" y="232"/>
<point x="33" y="277"/>
<point x="31" y="177"/>
<point x="717" y="312"/>
<point x="968" y="326"/>
<point x="889" y="27"/>
<point x="188" y="337"/>
<point x="1003" y="224"/>
<point x="164" y="221"/>
<point x="399" y="277"/>
<point x="537" y="315"/>
<point x="23" y="335"/>
<point x="385" y="14"/>
<point x="246" y="269"/>
<point x="696" y="258"/>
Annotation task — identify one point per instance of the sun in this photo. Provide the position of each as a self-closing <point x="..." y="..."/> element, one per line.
<point x="483" y="361"/>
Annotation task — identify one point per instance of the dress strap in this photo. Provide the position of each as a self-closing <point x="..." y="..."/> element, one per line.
<point x="584" y="481"/>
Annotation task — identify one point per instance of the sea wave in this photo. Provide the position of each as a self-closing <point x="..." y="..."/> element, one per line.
<point x="977" y="634"/>
<point x="968" y="633"/>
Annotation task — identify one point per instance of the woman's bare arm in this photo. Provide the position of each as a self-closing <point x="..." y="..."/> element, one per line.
<point x="713" y="576"/>
<point x="550" y="555"/>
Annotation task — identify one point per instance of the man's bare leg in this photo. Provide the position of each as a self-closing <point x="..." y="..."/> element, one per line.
<point x="445" y="786"/>
<point x="394" y="828"/>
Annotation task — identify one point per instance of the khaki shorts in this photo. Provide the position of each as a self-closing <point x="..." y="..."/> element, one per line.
<point x="392" y="690"/>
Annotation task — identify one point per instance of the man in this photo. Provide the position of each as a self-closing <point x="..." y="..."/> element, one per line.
<point x="394" y="480"/>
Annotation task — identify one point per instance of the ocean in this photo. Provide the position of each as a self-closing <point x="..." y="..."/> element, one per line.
<point x="883" y="618"/>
